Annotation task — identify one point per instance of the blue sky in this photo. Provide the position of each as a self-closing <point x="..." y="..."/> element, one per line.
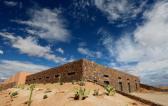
<point x="129" y="35"/>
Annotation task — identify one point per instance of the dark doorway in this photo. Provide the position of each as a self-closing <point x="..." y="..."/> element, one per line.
<point x="106" y="82"/>
<point x="120" y="86"/>
<point x="136" y="86"/>
<point x="129" y="87"/>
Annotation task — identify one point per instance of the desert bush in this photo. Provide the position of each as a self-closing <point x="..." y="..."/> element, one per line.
<point x="110" y="90"/>
<point x="82" y="82"/>
<point x="45" y="97"/>
<point x="13" y="94"/>
<point x="81" y="93"/>
<point x="31" y="93"/>
<point x="60" y="80"/>
<point x="21" y="86"/>
<point x="73" y="82"/>
<point x="96" y="92"/>
<point x="48" y="90"/>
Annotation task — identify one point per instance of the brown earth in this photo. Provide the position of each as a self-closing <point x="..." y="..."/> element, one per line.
<point x="62" y="95"/>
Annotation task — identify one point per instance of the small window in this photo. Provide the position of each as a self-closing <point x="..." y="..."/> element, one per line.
<point x="136" y="85"/>
<point x="94" y="81"/>
<point x="127" y="78"/>
<point x="29" y="80"/>
<point x="119" y="77"/>
<point x="106" y="76"/>
<point x="71" y="73"/>
<point x="106" y="82"/>
<point x="34" y="79"/>
<point x="47" y="77"/>
<point x="39" y="78"/>
<point x="56" y="76"/>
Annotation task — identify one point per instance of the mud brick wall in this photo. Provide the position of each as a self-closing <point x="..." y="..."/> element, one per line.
<point x="103" y="75"/>
<point x="8" y="85"/>
<point x="84" y="69"/>
<point x="66" y="73"/>
<point x="18" y="78"/>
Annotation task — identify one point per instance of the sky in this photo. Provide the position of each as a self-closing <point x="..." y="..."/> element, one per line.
<point x="128" y="35"/>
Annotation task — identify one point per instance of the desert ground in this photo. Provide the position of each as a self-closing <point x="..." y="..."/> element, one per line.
<point x="157" y="97"/>
<point x="63" y="95"/>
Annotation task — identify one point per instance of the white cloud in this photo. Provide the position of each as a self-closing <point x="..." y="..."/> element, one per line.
<point x="10" y="3"/>
<point x="119" y="9"/>
<point x="47" y="24"/>
<point x="10" y="67"/>
<point x="31" y="47"/>
<point x="146" y="54"/>
<point x="127" y="50"/>
<point x="60" y="50"/>
<point x="87" y="52"/>
<point x="1" y="52"/>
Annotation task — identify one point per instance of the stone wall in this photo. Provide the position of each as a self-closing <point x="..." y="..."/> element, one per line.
<point x="103" y="75"/>
<point x="7" y="85"/>
<point x="66" y="73"/>
<point x="18" y="78"/>
<point x="84" y="69"/>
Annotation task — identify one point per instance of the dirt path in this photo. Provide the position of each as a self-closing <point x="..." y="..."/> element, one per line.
<point x="157" y="97"/>
<point x="5" y="99"/>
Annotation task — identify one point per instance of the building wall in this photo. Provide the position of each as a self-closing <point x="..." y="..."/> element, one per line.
<point x="18" y="78"/>
<point x="89" y="71"/>
<point x="66" y="73"/>
<point x="102" y="75"/>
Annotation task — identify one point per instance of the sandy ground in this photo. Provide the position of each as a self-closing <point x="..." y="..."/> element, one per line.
<point x="62" y="95"/>
<point x="158" y="97"/>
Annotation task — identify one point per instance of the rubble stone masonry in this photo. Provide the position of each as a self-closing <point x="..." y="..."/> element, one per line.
<point x="90" y="71"/>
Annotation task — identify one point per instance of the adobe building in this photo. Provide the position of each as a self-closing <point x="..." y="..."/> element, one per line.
<point x="90" y="71"/>
<point x="18" y="78"/>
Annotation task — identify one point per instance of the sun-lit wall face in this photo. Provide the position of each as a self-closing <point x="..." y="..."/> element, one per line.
<point x="18" y="78"/>
<point x="102" y="75"/>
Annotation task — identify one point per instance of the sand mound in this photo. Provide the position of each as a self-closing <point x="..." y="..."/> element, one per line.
<point x="63" y="95"/>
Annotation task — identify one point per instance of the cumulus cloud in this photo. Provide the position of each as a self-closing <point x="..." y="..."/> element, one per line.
<point x="89" y="53"/>
<point x="30" y="46"/>
<point x="60" y="50"/>
<point x="10" y="67"/>
<point x="145" y="54"/>
<point x="119" y="9"/>
<point x="10" y="3"/>
<point x="47" y="24"/>
<point x="1" y="52"/>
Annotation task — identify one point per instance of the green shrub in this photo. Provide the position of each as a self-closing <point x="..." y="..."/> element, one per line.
<point x="82" y="82"/>
<point x="73" y="82"/>
<point x="96" y="92"/>
<point x="48" y="90"/>
<point x="60" y="80"/>
<point x="81" y="93"/>
<point x="45" y="97"/>
<point x="21" y="86"/>
<point x="110" y="90"/>
<point x="13" y="94"/>
<point x="31" y="93"/>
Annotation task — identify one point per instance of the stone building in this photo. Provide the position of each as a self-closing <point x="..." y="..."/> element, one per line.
<point x="18" y="78"/>
<point x="90" y="71"/>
